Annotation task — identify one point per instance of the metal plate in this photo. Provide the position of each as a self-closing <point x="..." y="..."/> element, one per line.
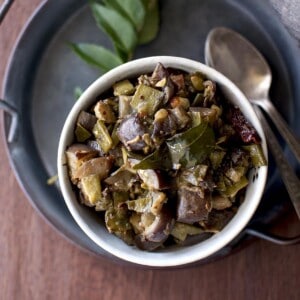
<point x="43" y="72"/>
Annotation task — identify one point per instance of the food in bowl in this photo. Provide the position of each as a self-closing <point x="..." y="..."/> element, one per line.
<point x="163" y="156"/>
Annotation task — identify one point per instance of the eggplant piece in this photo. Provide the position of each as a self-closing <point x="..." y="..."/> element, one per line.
<point x="161" y="78"/>
<point x="130" y="133"/>
<point x="164" y="125"/>
<point x="86" y="120"/>
<point x="95" y="146"/>
<point x="181" y="116"/>
<point x="192" y="205"/>
<point x="96" y="166"/>
<point x="76" y="155"/>
<point x="159" y="73"/>
<point x="154" y="179"/>
<point x="169" y="90"/>
<point x="179" y="82"/>
<point x="157" y="232"/>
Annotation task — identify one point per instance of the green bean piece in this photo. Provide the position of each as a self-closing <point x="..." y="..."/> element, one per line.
<point x="81" y="133"/>
<point x="103" y="137"/>
<point x="146" y="100"/>
<point x="257" y="156"/>
<point x="181" y="231"/>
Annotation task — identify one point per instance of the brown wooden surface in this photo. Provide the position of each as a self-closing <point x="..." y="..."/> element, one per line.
<point x="37" y="263"/>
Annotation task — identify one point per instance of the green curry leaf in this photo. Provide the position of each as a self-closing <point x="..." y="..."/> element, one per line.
<point x="127" y="23"/>
<point x="159" y="159"/>
<point x="134" y="11"/>
<point x="116" y="26"/>
<point x="151" y="23"/>
<point x="97" y="56"/>
<point x="192" y="146"/>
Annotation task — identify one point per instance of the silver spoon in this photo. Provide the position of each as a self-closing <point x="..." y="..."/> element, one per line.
<point x="235" y="57"/>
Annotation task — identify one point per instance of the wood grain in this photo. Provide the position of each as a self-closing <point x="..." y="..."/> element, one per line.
<point x="37" y="263"/>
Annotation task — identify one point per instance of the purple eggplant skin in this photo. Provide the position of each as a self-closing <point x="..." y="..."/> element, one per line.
<point x="156" y="234"/>
<point x="87" y="120"/>
<point x="164" y="126"/>
<point x="159" y="73"/>
<point x="131" y="131"/>
<point x="192" y="205"/>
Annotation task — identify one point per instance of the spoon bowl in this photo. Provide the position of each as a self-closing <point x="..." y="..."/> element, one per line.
<point x="245" y="65"/>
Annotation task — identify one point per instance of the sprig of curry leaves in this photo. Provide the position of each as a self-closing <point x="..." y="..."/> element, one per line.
<point x="128" y="23"/>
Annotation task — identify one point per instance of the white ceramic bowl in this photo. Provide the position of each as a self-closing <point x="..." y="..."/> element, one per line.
<point x="174" y="255"/>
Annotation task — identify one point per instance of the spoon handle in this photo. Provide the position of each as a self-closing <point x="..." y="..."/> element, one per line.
<point x="282" y="126"/>
<point x="288" y="175"/>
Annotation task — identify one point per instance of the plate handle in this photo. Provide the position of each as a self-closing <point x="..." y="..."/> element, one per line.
<point x="14" y="119"/>
<point x="259" y="232"/>
<point x="4" y="8"/>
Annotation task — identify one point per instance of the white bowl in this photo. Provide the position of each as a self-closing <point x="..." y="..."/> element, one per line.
<point x="94" y="227"/>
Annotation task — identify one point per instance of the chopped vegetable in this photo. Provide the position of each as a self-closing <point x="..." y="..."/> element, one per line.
<point x="146" y="100"/>
<point x="81" y="133"/>
<point x="124" y="87"/>
<point x="104" y="112"/>
<point x="180" y="231"/>
<point x="256" y="153"/>
<point x="95" y="166"/>
<point x="193" y="205"/>
<point x="91" y="189"/>
<point x="102" y="135"/>
<point x="165" y="157"/>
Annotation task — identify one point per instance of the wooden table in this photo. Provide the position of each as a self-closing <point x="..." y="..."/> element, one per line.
<point x="37" y="263"/>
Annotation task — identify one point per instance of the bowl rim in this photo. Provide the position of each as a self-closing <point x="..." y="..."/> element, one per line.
<point x="183" y="255"/>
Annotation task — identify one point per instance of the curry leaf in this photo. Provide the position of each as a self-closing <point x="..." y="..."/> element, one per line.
<point x="159" y="159"/>
<point x="116" y="26"/>
<point x="97" y="56"/>
<point x="133" y="10"/>
<point x="192" y="146"/>
<point x="151" y="23"/>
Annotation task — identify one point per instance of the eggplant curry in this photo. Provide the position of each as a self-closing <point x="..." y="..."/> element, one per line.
<point x="163" y="157"/>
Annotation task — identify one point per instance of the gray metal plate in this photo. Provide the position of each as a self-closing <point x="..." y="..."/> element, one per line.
<point x="43" y="73"/>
